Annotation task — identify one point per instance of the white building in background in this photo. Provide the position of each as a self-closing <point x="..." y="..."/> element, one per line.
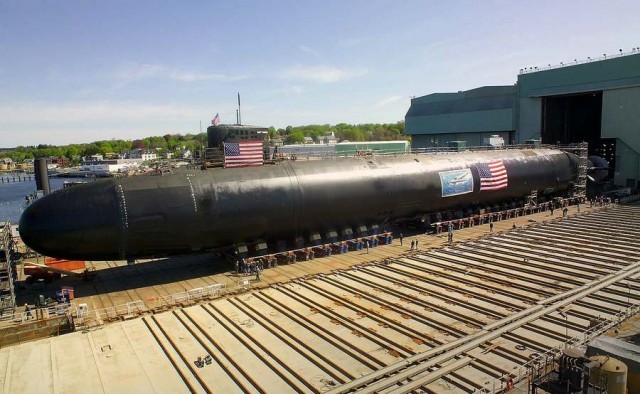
<point x="107" y="167"/>
<point x="330" y="138"/>
<point x="142" y="154"/>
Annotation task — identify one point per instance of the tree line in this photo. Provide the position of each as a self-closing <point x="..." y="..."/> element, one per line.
<point x="342" y="131"/>
<point x="193" y="142"/>
<point x="75" y="152"/>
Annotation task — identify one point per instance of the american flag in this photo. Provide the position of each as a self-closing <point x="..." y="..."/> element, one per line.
<point x="243" y="154"/>
<point x="216" y="120"/>
<point x="493" y="175"/>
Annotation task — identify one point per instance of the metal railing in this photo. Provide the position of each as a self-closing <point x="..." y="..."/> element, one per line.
<point x="8" y="248"/>
<point x="85" y="317"/>
<point x="33" y="314"/>
<point x="526" y="370"/>
<point x="528" y="70"/>
<point x="216" y="160"/>
<point x="629" y="199"/>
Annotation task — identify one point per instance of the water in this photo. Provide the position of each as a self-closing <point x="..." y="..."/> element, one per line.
<point x="12" y="201"/>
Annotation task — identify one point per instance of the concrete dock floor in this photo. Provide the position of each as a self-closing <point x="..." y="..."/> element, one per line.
<point x="320" y="325"/>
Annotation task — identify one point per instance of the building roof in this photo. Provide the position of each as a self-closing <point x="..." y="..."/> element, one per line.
<point x="485" y="109"/>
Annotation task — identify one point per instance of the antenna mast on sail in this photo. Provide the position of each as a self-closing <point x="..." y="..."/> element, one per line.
<point x="239" y="113"/>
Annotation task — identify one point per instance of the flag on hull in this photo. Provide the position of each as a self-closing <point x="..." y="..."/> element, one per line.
<point x="493" y="175"/>
<point x="243" y="154"/>
<point x="216" y="120"/>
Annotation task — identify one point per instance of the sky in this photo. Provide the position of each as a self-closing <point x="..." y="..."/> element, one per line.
<point x="77" y="71"/>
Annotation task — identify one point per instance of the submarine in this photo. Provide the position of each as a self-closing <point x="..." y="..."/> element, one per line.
<point x="200" y="210"/>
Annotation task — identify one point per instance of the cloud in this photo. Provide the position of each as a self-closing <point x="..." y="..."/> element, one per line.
<point x="310" y="51"/>
<point x="387" y="101"/>
<point x="322" y="74"/>
<point x="80" y="112"/>
<point x="131" y="72"/>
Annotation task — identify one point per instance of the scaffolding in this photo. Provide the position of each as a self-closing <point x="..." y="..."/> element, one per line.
<point x="582" y="151"/>
<point x="8" y="275"/>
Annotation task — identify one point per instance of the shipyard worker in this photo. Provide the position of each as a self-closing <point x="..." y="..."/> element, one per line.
<point x="490" y="227"/>
<point x="552" y="209"/>
<point x="564" y="211"/>
<point x="413" y="244"/>
<point x="27" y="311"/>
<point x="416" y="243"/>
<point x="400" y="239"/>
<point x="237" y="267"/>
<point x="366" y="244"/>
<point x="514" y="226"/>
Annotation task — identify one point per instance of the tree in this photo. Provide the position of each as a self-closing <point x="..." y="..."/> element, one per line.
<point x="71" y="152"/>
<point x="105" y="147"/>
<point x="91" y="149"/>
<point x="357" y="134"/>
<point x="155" y="142"/>
<point x="296" y="137"/>
<point x="272" y="132"/>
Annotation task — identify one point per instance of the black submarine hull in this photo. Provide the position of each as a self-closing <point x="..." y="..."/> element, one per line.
<point x="192" y="211"/>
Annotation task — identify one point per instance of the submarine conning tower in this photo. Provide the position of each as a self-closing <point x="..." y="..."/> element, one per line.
<point x="217" y="135"/>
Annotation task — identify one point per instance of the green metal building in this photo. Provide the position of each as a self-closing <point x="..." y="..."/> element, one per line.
<point x="374" y="147"/>
<point x="597" y="101"/>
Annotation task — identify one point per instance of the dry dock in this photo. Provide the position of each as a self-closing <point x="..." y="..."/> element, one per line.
<point x="452" y="318"/>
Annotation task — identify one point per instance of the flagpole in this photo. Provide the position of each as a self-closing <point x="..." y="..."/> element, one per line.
<point x="239" y="113"/>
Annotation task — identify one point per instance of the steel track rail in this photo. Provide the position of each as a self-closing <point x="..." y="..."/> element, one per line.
<point x="403" y="371"/>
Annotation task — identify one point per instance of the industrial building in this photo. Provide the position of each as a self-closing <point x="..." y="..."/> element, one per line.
<point x="596" y="101"/>
<point x="342" y="149"/>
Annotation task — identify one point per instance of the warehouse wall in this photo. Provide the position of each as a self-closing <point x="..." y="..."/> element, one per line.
<point x="472" y="139"/>
<point x="529" y="119"/>
<point x="475" y="121"/>
<point x="621" y="120"/>
<point x="451" y="116"/>
<point x="613" y="73"/>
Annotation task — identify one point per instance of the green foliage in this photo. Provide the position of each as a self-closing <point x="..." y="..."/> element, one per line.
<point x="193" y="142"/>
<point x="344" y="131"/>
<point x="295" y="137"/>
